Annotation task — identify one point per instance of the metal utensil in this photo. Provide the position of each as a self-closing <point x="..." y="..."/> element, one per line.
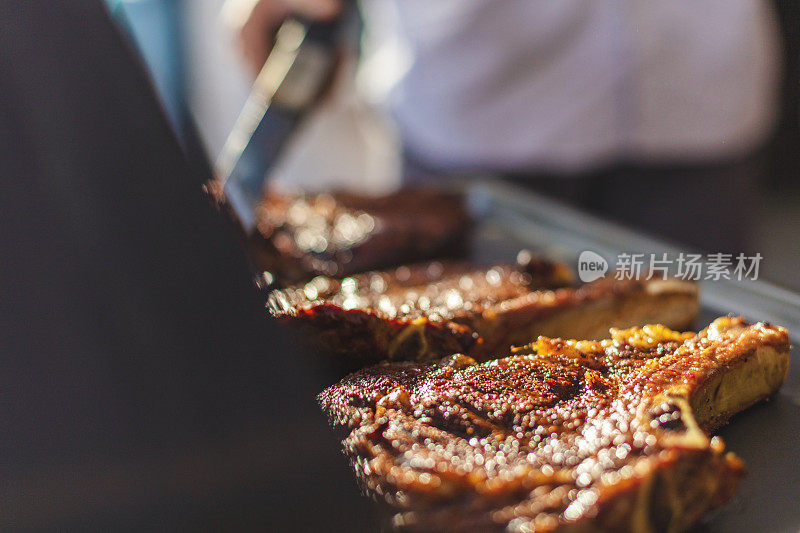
<point x="295" y="74"/>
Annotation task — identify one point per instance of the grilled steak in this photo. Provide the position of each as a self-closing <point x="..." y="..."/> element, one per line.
<point x="426" y="312"/>
<point x="337" y="234"/>
<point x="562" y="435"/>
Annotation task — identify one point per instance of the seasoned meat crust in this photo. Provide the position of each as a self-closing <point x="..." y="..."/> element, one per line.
<point x="561" y="436"/>
<point x="417" y="312"/>
<point x="425" y="312"/>
<point x="337" y="234"/>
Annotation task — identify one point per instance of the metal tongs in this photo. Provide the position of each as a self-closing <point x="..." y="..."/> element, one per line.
<point x="296" y="73"/>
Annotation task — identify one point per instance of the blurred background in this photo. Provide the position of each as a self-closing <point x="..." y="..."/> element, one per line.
<point x="352" y="140"/>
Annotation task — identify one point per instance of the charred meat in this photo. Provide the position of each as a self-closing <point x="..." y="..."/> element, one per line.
<point x="425" y="312"/>
<point x="562" y="435"/>
<point x="338" y="234"/>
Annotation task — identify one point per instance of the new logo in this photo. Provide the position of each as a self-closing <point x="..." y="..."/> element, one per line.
<point x="591" y="266"/>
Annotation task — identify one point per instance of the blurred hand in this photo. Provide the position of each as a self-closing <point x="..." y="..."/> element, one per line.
<point x="256" y="21"/>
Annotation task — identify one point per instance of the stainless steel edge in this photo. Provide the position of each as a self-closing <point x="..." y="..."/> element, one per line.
<point x="563" y="232"/>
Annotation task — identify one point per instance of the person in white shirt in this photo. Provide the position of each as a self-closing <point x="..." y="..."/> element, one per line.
<point x="649" y="112"/>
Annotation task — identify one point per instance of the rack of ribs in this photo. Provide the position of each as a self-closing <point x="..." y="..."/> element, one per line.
<point x="424" y="312"/>
<point x="562" y="435"/>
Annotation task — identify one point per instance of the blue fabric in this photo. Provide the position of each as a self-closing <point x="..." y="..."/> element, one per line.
<point x="154" y="25"/>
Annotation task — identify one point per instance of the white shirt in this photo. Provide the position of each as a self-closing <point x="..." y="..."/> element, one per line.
<point x="568" y="85"/>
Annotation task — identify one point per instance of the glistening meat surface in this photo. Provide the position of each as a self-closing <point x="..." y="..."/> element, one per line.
<point x="427" y="311"/>
<point x="562" y="435"/>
